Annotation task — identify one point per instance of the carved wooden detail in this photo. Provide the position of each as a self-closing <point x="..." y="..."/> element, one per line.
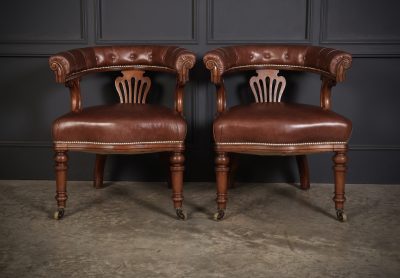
<point x="75" y="92"/>
<point x="132" y="86"/>
<point x="267" y="86"/>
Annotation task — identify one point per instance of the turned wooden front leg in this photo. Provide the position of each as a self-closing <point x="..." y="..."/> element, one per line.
<point x="177" y="160"/>
<point x="339" y="168"/>
<point x="221" y="172"/>
<point x="99" y="170"/>
<point x="61" y="159"/>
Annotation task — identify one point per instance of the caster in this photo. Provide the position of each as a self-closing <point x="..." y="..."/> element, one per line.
<point x="59" y="214"/>
<point x="341" y="216"/>
<point x="182" y="215"/>
<point x="218" y="216"/>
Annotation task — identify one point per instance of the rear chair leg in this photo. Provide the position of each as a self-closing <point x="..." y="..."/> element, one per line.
<point x="339" y="168"/>
<point x="61" y="159"/>
<point x="302" y="165"/>
<point x="234" y="163"/>
<point x="165" y="157"/>
<point x="221" y="172"/>
<point x="99" y="170"/>
<point x="177" y="160"/>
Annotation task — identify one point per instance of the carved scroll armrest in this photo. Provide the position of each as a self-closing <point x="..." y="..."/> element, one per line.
<point x="330" y="60"/>
<point x="60" y="66"/>
<point x="341" y="64"/>
<point x="217" y="61"/>
<point x="182" y="61"/>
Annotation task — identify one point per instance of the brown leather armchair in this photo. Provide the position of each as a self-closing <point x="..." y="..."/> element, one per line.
<point x="272" y="127"/>
<point x="129" y="127"/>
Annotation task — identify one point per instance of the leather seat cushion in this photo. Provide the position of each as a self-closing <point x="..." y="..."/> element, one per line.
<point x="121" y="123"/>
<point x="280" y="123"/>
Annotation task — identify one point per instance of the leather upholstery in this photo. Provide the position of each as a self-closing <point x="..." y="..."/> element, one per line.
<point x="77" y="62"/>
<point x="121" y="123"/>
<point x="326" y="61"/>
<point x="280" y="123"/>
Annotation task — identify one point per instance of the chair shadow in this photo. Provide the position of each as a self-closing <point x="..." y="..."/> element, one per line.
<point x="122" y="192"/>
<point x="195" y="208"/>
<point x="282" y="192"/>
<point x="304" y="203"/>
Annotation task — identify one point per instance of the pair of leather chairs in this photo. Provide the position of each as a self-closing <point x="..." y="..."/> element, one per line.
<point x="266" y="127"/>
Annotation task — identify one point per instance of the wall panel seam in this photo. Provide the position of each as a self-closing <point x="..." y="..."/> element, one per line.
<point x="83" y="32"/>
<point x="100" y="40"/>
<point x="210" y="29"/>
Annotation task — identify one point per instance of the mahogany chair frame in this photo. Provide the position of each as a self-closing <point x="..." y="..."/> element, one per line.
<point x="329" y="63"/>
<point x="69" y="69"/>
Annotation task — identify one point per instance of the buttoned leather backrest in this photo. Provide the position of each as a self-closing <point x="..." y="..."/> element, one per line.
<point x="78" y="62"/>
<point x="326" y="61"/>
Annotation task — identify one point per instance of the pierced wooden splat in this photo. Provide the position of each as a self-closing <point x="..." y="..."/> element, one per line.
<point x="267" y="86"/>
<point x="132" y="86"/>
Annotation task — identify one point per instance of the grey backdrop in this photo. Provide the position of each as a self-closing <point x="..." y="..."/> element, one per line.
<point x="30" y="31"/>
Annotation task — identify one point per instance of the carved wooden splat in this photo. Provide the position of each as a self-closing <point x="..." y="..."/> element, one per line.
<point x="132" y="86"/>
<point x="267" y="86"/>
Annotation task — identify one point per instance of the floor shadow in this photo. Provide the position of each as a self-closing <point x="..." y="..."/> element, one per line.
<point x="284" y="193"/>
<point x="141" y="201"/>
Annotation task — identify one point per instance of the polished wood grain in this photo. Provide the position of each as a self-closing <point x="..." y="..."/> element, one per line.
<point x="177" y="160"/>
<point x="302" y="165"/>
<point x="61" y="167"/>
<point x="99" y="170"/>
<point x="132" y="86"/>
<point x="267" y="86"/>
<point x="222" y="172"/>
<point x="339" y="168"/>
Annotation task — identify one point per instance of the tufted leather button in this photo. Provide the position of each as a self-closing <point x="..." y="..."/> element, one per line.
<point x="132" y="56"/>
<point x="286" y="55"/>
<point x="267" y="55"/>
<point x="99" y="59"/>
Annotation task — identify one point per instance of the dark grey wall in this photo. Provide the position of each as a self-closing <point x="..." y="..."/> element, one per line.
<point x="30" y="31"/>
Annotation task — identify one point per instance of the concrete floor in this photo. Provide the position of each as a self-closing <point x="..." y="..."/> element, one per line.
<point x="129" y="230"/>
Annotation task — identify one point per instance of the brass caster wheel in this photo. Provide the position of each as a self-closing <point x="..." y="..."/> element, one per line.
<point x="218" y="216"/>
<point x="182" y="215"/>
<point x="59" y="214"/>
<point x="341" y="216"/>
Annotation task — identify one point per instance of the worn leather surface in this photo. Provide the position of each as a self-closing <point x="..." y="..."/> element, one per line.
<point x="121" y="123"/>
<point x="327" y="61"/>
<point x="77" y="62"/>
<point x="280" y="123"/>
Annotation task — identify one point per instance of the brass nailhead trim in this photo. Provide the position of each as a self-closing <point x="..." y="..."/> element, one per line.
<point x="283" y="144"/>
<point x="278" y="65"/>
<point x="117" y="143"/>
<point x="117" y="67"/>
